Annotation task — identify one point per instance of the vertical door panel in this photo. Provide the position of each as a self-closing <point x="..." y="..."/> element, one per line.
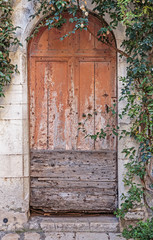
<point x="86" y="105"/>
<point x="57" y="104"/>
<point x="103" y="95"/>
<point x="40" y="126"/>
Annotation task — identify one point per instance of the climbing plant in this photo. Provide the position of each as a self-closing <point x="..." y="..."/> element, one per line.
<point x="7" y="39"/>
<point x="137" y="86"/>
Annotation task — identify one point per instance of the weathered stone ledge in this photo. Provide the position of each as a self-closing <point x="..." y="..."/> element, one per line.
<point x="76" y="224"/>
<point x="67" y="228"/>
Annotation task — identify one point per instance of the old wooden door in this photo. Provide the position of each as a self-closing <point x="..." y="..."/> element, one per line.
<point x="67" y="81"/>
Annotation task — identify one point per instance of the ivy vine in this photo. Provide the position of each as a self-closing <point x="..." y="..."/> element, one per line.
<point x="137" y="91"/>
<point x="7" y="39"/>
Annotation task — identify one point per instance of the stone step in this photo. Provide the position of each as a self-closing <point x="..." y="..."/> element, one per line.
<point x="103" y="223"/>
<point x="103" y="227"/>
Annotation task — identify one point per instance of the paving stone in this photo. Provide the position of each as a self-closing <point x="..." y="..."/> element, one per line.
<point x="11" y="236"/>
<point x="116" y="236"/>
<point x="31" y="236"/>
<point x="1" y="235"/>
<point x="91" y="236"/>
<point x="60" y="236"/>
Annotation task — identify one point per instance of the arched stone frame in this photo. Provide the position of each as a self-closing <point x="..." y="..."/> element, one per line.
<point x="119" y="63"/>
<point x="22" y="11"/>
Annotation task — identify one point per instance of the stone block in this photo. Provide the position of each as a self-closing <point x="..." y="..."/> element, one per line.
<point x="121" y="71"/>
<point x="74" y="226"/>
<point x="103" y="227"/>
<point x="116" y="236"/>
<point x="13" y="95"/>
<point x="26" y="161"/>
<point x="11" y="166"/>
<point x="14" y="194"/>
<point x="23" y="10"/>
<point x="25" y="111"/>
<point x="33" y="224"/>
<point x="31" y="236"/>
<point x="91" y="236"/>
<point x="11" y="193"/>
<point x="47" y="226"/>
<point x="25" y="132"/>
<point x="11" y="112"/>
<point x="121" y="174"/>
<point x="60" y="236"/>
<point x="26" y="194"/>
<point x="11" y="236"/>
<point x="80" y="224"/>
<point x="64" y="225"/>
<point x="11" y="137"/>
<point x="1" y="234"/>
<point x="15" y="220"/>
<point x="137" y="215"/>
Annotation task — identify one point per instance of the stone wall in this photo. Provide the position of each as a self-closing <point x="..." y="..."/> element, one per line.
<point x="14" y="129"/>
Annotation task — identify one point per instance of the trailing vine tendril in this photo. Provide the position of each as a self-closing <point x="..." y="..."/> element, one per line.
<point x="7" y="39"/>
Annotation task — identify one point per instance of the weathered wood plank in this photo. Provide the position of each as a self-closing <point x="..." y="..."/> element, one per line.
<point x="87" y="155"/>
<point x="74" y="165"/>
<point x="86" y="103"/>
<point x="105" y="187"/>
<point x="73" y="181"/>
<point x="72" y="200"/>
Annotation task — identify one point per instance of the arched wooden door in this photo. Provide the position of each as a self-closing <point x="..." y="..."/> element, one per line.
<point x="67" y="80"/>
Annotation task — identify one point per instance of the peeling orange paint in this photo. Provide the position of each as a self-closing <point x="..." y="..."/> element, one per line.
<point x="69" y="79"/>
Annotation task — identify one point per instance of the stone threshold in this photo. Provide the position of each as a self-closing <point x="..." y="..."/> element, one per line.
<point x="100" y="224"/>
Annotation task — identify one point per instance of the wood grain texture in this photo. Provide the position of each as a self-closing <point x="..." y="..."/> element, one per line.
<point x="72" y="200"/>
<point x="75" y="181"/>
<point x="74" y="165"/>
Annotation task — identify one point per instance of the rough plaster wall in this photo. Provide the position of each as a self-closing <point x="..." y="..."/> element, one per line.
<point x="14" y="143"/>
